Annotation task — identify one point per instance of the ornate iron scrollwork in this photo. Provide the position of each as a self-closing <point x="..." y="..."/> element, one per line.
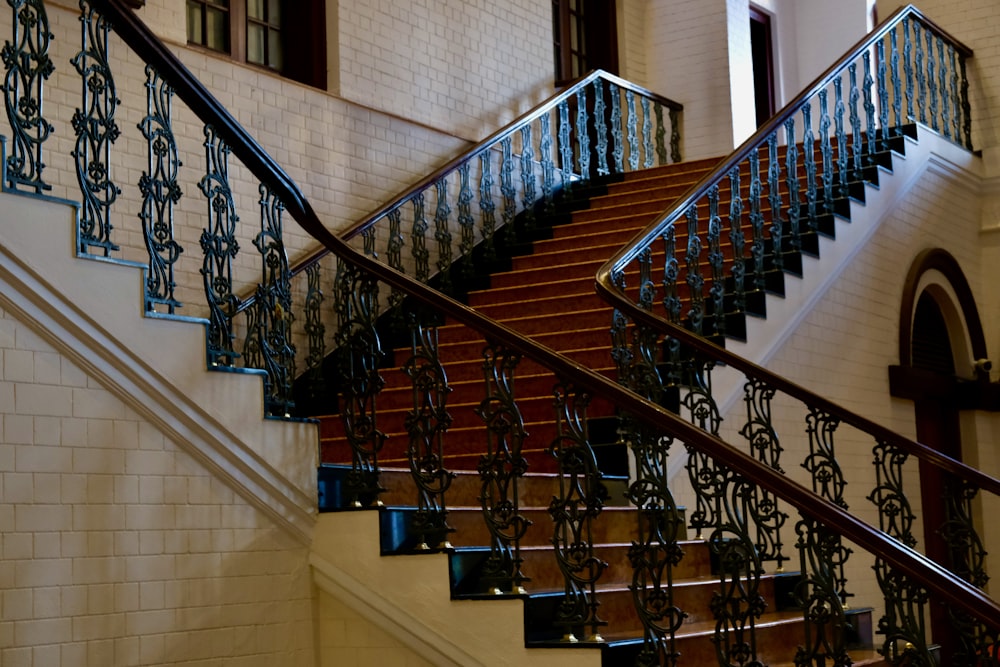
<point x="618" y="152"/>
<point x="359" y="353"/>
<point x="466" y="221"/>
<point x="442" y="233"/>
<point x="694" y="279"/>
<point x="426" y="425"/>
<point x="647" y="134"/>
<point x="528" y="180"/>
<point x="315" y="331"/>
<point x="96" y="131"/>
<point x="487" y="208"/>
<point x="269" y="330"/>
<point x="500" y="471"/>
<point x="631" y="126"/>
<point x="160" y="192"/>
<point x="545" y="152"/>
<point x="28" y="66"/>
<point x="219" y="244"/>
<point x="581" y="498"/>
<point x="601" y="128"/>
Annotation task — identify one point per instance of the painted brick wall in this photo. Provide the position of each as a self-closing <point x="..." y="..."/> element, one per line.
<point x="465" y="66"/>
<point x="118" y="548"/>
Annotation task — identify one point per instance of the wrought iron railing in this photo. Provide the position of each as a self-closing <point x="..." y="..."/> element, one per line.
<point x="673" y="305"/>
<point x="268" y="338"/>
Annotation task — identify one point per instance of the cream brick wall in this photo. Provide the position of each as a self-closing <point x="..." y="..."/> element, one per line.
<point x="345" y="638"/>
<point x="117" y="548"/>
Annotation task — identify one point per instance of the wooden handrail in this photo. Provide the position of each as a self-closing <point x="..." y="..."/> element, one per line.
<point x="942" y="583"/>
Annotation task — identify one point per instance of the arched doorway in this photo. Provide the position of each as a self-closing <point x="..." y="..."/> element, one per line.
<point x="942" y="354"/>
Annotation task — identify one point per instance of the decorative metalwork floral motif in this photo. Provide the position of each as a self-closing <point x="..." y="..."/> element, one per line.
<point x="826" y="148"/>
<point x="442" y="233"/>
<point x="695" y="281"/>
<point x="756" y="222"/>
<point x="96" y="131"/>
<point x="708" y="480"/>
<point x="601" y="128"/>
<point x="315" y="331"/>
<point x="716" y="261"/>
<point x="527" y="178"/>
<point x="418" y="234"/>
<point x="618" y="151"/>
<point x="843" y="149"/>
<point x="269" y="330"/>
<point x="661" y="134"/>
<point x="809" y="153"/>
<point x="28" y="66"/>
<point x="774" y="199"/>
<point x="487" y="208"/>
<point x="582" y="138"/>
<point x="738" y="241"/>
<point x="426" y="423"/>
<point x="857" y="143"/>
<point x="359" y="353"/>
<point x="579" y="502"/>
<point x="160" y="192"/>
<point x="500" y="470"/>
<point x="545" y="151"/>
<point x="466" y="221"/>
<point x="647" y="134"/>
<point x="219" y="244"/>
<point x="792" y="182"/>
<point x="632" y="127"/>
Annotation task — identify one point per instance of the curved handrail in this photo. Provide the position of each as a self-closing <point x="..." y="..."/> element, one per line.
<point x="946" y="585"/>
<point x="607" y="289"/>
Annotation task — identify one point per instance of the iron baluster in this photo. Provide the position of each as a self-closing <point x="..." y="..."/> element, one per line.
<point x="545" y="152"/>
<point x="897" y="83"/>
<point x="507" y="189"/>
<point x="579" y="502"/>
<point x="647" y="134"/>
<point x="527" y="178"/>
<point x="220" y="247"/>
<point x="869" y="105"/>
<point x="96" y="131"/>
<point x="707" y="478"/>
<point x="616" y="128"/>
<point x="582" y="137"/>
<point x="774" y="199"/>
<point x="756" y="222"/>
<point x="766" y="448"/>
<point x="974" y="643"/>
<point x="421" y="255"/>
<point x="426" y="425"/>
<point x="809" y="158"/>
<point x="601" y="128"/>
<point x="368" y="242"/>
<point x="882" y="88"/>
<point x="855" y="120"/>
<point x="717" y="292"/>
<point x="565" y="146"/>
<point x="908" y="68"/>
<point x="442" y="233"/>
<point x="269" y="337"/>
<point x="738" y="241"/>
<point x="903" y="624"/>
<point x="675" y="135"/>
<point x="827" y="481"/>
<point x="921" y="75"/>
<point x="694" y="279"/>
<point x="160" y="192"/>
<point x="738" y="603"/>
<point x="466" y="221"/>
<point x="966" y="106"/>
<point x="500" y="471"/>
<point x="394" y="255"/>
<point x="487" y="208"/>
<point x="633" y="141"/>
<point x="655" y="552"/>
<point x="28" y="65"/>
<point x="826" y="148"/>
<point x="315" y="331"/>
<point x="826" y="626"/>
<point x="671" y="270"/>
<point x="792" y="181"/>
<point x="842" y="145"/>
<point x="359" y="354"/>
<point x="955" y="106"/>
<point x="931" y="81"/>
<point x="661" y="135"/>
<point x="943" y="89"/>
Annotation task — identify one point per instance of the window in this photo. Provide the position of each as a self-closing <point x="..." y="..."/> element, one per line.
<point x="584" y="37"/>
<point x="253" y="31"/>
<point x="762" y="49"/>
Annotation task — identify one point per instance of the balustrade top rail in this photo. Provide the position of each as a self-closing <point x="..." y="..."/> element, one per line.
<point x="938" y="580"/>
<point x="606" y="286"/>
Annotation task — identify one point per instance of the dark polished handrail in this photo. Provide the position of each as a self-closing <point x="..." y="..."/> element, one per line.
<point x="606" y="288"/>
<point x="938" y="580"/>
<point x="700" y="189"/>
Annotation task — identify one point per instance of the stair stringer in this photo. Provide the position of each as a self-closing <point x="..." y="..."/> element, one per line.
<point x="930" y="153"/>
<point x="412" y="603"/>
<point x="90" y="311"/>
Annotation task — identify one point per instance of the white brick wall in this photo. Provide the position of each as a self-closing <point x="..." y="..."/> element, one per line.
<point x="117" y="548"/>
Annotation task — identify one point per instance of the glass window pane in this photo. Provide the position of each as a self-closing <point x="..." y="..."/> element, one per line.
<point x="274" y="13"/>
<point x="255" y="44"/>
<point x="217" y="29"/>
<point x="274" y="49"/>
<point x="194" y="26"/>
<point x="255" y="9"/>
